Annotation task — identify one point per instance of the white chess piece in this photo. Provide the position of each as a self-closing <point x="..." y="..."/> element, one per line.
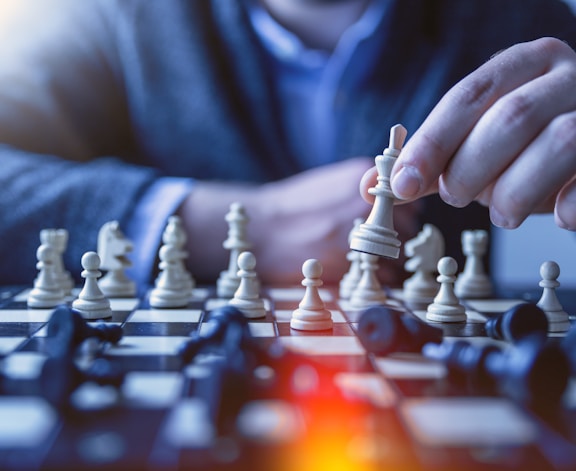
<point x="174" y="234"/>
<point x="558" y="319"/>
<point x="473" y="282"/>
<point x="369" y="291"/>
<point x="377" y="235"/>
<point x="424" y="252"/>
<point x="113" y="248"/>
<point x="170" y="289"/>
<point x="47" y="291"/>
<point x="237" y="242"/>
<point x="352" y="277"/>
<point x="91" y="302"/>
<point x="247" y="297"/>
<point x="57" y="240"/>
<point x="446" y="306"/>
<point x="311" y="313"/>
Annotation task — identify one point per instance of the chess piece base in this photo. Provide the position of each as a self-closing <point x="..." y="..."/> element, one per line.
<point x="93" y="309"/>
<point x="162" y="298"/>
<point x="252" y="309"/>
<point x="444" y="313"/>
<point x="303" y="319"/>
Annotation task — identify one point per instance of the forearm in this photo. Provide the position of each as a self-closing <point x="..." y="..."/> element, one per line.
<point x="40" y="191"/>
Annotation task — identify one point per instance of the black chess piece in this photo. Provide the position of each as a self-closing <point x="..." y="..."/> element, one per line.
<point x="533" y="372"/>
<point x="60" y="377"/>
<point x="382" y="331"/>
<point x="66" y="329"/>
<point x="518" y="322"/>
<point x="225" y="328"/>
<point x="569" y="346"/>
<point x="227" y="387"/>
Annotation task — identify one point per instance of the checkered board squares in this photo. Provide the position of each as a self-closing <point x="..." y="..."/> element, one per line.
<point x="165" y="315"/>
<point x="155" y="410"/>
<point x="325" y="345"/>
<point x="27" y="422"/>
<point x="25" y="316"/>
<point x="459" y="422"/>
<point x="143" y="345"/>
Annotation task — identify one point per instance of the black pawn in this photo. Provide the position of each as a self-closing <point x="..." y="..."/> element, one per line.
<point x="518" y="322"/>
<point x="383" y="331"/>
<point x="66" y="329"/>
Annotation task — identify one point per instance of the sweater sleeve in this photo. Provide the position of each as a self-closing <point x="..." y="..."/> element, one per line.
<point x="66" y="150"/>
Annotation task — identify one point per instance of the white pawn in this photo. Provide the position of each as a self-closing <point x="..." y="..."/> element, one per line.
<point x="446" y="306"/>
<point x="311" y="313"/>
<point x="91" y="302"/>
<point x="558" y="320"/>
<point x="247" y="296"/>
<point x="170" y="289"/>
<point x="47" y="291"/>
<point x="236" y="243"/>
<point x="368" y="292"/>
<point x="473" y="282"/>
<point x="352" y="277"/>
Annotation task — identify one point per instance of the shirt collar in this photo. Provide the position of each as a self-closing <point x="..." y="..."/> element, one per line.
<point x="285" y="46"/>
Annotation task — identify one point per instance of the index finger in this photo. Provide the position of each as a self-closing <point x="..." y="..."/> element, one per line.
<point x="428" y="152"/>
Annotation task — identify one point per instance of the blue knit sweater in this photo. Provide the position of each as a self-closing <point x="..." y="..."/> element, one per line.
<point x="100" y="98"/>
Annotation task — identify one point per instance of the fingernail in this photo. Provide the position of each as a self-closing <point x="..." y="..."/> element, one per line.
<point x="499" y="220"/>
<point x="406" y="183"/>
<point x="450" y="199"/>
<point x="563" y="211"/>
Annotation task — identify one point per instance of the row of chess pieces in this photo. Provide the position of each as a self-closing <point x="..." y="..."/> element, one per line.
<point x="434" y="282"/>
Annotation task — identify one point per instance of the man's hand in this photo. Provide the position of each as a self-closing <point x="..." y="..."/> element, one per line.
<point x="306" y="216"/>
<point x="504" y="136"/>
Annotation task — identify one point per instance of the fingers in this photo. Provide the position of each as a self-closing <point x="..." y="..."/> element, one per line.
<point x="482" y="123"/>
<point x="564" y="211"/>
<point x="368" y="180"/>
<point x="502" y="135"/>
<point x="541" y="170"/>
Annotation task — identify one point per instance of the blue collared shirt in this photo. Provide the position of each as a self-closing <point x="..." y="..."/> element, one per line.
<point x="314" y="85"/>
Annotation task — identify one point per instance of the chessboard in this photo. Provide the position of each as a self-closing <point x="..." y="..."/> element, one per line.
<point x="264" y="396"/>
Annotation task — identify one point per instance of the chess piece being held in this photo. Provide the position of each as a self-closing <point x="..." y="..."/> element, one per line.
<point x="311" y="313"/>
<point x="113" y="247"/>
<point x="424" y="252"/>
<point x="377" y="235"/>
